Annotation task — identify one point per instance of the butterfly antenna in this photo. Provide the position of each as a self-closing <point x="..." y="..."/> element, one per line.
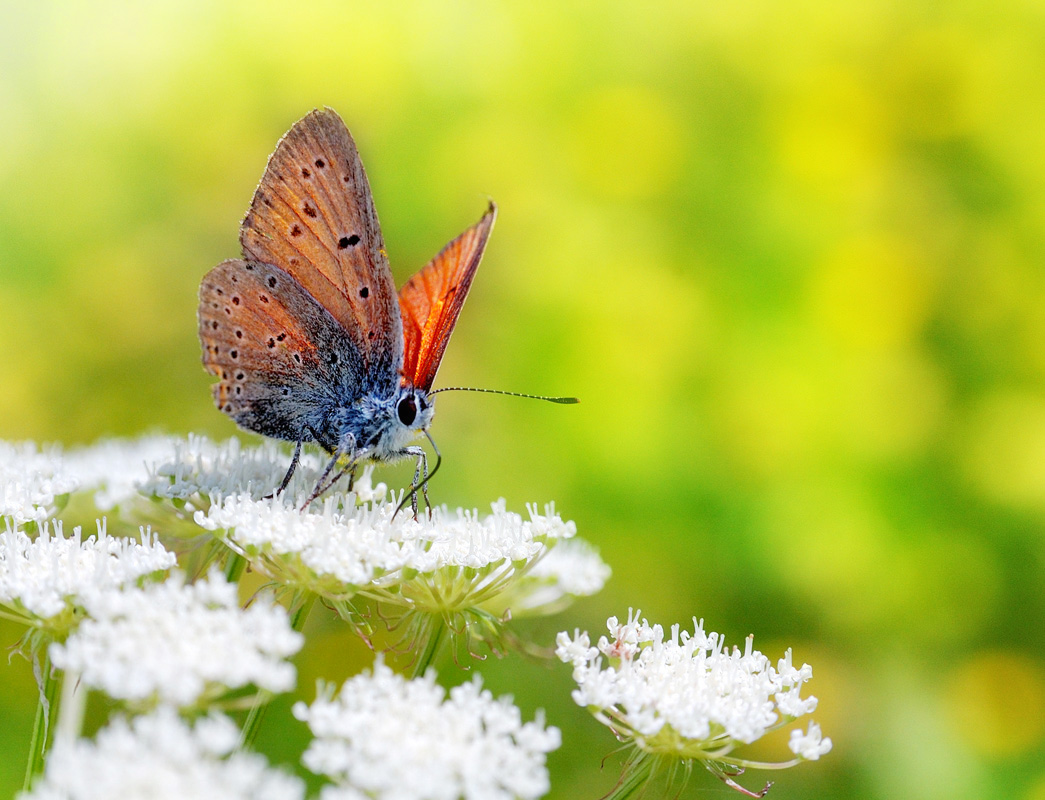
<point x="566" y="401"/>
<point x="420" y="485"/>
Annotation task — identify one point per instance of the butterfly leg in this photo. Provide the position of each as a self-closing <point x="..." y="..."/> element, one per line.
<point x="350" y="469"/>
<point x="320" y="487"/>
<point x="323" y="485"/>
<point x="422" y="465"/>
<point x="422" y="462"/>
<point x="286" y="478"/>
<point x="420" y="471"/>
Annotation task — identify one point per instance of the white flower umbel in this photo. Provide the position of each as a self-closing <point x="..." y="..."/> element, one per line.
<point x="161" y="757"/>
<point x="687" y="697"/>
<point x="45" y="578"/>
<point x="32" y="482"/>
<point x="180" y="644"/>
<point x="463" y="580"/>
<point x="388" y="738"/>
<point x="445" y="564"/>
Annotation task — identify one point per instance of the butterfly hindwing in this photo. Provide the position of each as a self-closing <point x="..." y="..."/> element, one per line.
<point x="313" y="216"/>
<point x="431" y="301"/>
<point x="280" y="356"/>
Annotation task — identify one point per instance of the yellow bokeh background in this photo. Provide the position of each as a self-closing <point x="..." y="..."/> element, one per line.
<point x="790" y="256"/>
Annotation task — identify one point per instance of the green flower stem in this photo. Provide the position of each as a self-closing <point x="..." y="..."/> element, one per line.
<point x="254" y="717"/>
<point x="748" y="764"/>
<point x="433" y="640"/>
<point x="636" y="775"/>
<point x="21" y="619"/>
<point x="72" y="702"/>
<point x="301" y="607"/>
<point x="234" y="567"/>
<point x="43" y="724"/>
<point x="301" y="610"/>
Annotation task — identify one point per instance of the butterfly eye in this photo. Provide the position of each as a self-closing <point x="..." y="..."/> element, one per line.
<point x="407" y="410"/>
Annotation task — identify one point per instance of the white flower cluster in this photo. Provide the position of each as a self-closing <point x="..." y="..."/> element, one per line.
<point x="687" y="695"/>
<point x="201" y="471"/>
<point x="351" y="546"/>
<point x="450" y="559"/>
<point x="160" y="757"/>
<point x="116" y="468"/>
<point x="31" y="480"/>
<point x="468" y="560"/>
<point x="42" y="577"/>
<point x="387" y="738"/>
<point x="170" y="467"/>
<point x="177" y="643"/>
<point x="572" y="568"/>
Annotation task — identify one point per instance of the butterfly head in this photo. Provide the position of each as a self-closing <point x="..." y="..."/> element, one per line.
<point x="380" y="428"/>
<point x="414" y="410"/>
<point x="410" y="414"/>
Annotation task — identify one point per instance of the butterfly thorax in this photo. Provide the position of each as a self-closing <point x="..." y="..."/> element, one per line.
<point x="380" y="428"/>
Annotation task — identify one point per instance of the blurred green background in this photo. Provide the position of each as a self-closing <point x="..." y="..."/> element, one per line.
<point x="789" y="255"/>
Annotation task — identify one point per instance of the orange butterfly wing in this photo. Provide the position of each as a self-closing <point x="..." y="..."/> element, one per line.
<point x="431" y="301"/>
<point x="313" y="216"/>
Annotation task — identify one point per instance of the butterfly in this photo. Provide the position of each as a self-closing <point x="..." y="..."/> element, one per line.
<point x="307" y="334"/>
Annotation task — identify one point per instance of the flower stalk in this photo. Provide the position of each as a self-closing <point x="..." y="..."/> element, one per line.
<point x="432" y="636"/>
<point x="46" y="714"/>
<point x="299" y="615"/>
<point x="635" y="777"/>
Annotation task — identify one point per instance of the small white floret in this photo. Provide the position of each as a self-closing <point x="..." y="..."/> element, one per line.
<point x="809" y="745"/>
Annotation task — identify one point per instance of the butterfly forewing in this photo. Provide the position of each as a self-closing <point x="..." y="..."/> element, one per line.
<point x="431" y="301"/>
<point x="279" y="354"/>
<point x="313" y="216"/>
